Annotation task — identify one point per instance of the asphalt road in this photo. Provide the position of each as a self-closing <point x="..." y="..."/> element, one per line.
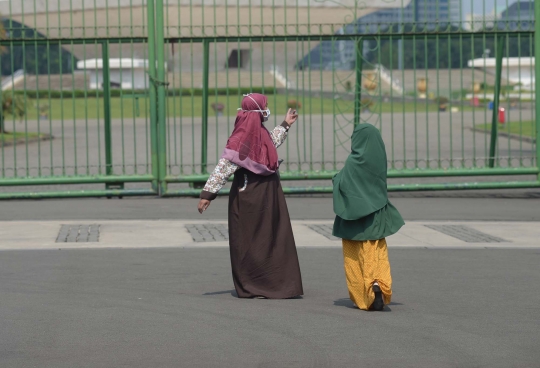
<point x="412" y="140"/>
<point x="175" y="308"/>
<point x="516" y="205"/>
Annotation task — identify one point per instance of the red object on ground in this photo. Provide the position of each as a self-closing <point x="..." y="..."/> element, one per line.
<point x="502" y="115"/>
<point x="475" y="101"/>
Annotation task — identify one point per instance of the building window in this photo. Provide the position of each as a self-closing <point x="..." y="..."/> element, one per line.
<point x="238" y="58"/>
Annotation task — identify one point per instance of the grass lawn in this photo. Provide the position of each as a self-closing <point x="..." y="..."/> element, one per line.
<point x="520" y="128"/>
<point x="11" y="136"/>
<point x="188" y="106"/>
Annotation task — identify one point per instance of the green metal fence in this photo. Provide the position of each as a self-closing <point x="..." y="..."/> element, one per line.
<point x="132" y="97"/>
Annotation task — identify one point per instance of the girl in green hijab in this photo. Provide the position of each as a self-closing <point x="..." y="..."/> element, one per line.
<point x="364" y="218"/>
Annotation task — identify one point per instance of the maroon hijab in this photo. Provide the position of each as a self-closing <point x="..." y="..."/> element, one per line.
<point x="250" y="144"/>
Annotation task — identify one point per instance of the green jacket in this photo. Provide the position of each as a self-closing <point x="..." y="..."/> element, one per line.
<point x="361" y="204"/>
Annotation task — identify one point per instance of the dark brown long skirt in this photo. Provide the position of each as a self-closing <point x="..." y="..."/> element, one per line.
<point x="263" y="253"/>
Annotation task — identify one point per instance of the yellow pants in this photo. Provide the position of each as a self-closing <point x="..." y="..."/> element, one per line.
<point x="367" y="262"/>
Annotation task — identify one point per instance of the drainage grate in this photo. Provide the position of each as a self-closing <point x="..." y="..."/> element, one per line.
<point x="208" y="232"/>
<point x="78" y="234"/>
<point x="324" y="230"/>
<point x="466" y="234"/>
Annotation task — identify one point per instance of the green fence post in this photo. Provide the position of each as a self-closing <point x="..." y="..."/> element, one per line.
<point x="153" y="93"/>
<point x="499" y="41"/>
<point x="107" y="107"/>
<point x="2" y="128"/>
<point x="204" y="140"/>
<point x="537" y="78"/>
<point x="161" y="96"/>
<point x="358" y="86"/>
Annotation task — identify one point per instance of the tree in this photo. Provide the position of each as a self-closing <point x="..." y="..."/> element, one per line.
<point x="14" y="105"/>
<point x="31" y="57"/>
<point x="2" y="50"/>
<point x="444" y="51"/>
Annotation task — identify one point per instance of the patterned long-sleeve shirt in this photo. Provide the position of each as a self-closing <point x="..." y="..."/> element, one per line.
<point x="225" y="168"/>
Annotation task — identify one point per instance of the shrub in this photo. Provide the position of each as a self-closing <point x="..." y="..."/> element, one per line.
<point x="177" y="92"/>
<point x="293" y="104"/>
<point x="366" y="104"/>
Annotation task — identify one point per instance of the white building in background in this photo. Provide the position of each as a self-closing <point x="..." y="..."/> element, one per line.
<point x="517" y="70"/>
<point x="130" y="74"/>
<point x="194" y="18"/>
<point x="63" y="18"/>
<point x="455" y="11"/>
<point x="511" y="15"/>
<point x="475" y="22"/>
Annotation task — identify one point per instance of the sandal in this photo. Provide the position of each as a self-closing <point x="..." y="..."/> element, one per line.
<point x="378" y="304"/>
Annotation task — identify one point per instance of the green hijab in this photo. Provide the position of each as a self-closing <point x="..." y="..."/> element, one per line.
<point x="360" y="187"/>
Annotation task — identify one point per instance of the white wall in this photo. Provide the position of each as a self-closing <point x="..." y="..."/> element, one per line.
<point x="40" y="6"/>
<point x="137" y="80"/>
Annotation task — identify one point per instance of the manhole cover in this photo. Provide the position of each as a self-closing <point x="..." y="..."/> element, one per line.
<point x="208" y="232"/>
<point x="324" y="230"/>
<point x="466" y="234"/>
<point x="78" y="234"/>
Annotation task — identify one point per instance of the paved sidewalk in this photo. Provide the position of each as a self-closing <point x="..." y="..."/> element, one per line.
<point x="25" y="235"/>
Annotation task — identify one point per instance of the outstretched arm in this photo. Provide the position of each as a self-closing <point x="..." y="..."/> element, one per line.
<point x="279" y="134"/>
<point x="223" y="171"/>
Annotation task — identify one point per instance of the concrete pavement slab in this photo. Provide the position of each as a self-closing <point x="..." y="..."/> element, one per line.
<point x="174" y="234"/>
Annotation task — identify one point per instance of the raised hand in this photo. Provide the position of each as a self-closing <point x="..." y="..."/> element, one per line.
<point x="291" y="117"/>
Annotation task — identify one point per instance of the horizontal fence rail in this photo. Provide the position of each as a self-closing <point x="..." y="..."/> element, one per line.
<point x="133" y="97"/>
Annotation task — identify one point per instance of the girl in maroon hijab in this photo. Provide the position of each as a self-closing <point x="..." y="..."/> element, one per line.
<point x="263" y="252"/>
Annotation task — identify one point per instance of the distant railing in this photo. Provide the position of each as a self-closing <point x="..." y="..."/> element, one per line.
<point x="280" y="77"/>
<point x="386" y="76"/>
<point x="12" y="80"/>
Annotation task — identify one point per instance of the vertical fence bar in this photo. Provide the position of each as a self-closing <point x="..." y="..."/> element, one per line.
<point x="59" y="49"/>
<point x="122" y="125"/>
<point x="153" y="93"/>
<point x="204" y="130"/>
<point x="192" y="101"/>
<point x="358" y="86"/>
<point x="161" y="96"/>
<point x="2" y="131"/>
<point x="499" y="41"/>
<point x="107" y="107"/>
<point x="537" y="78"/>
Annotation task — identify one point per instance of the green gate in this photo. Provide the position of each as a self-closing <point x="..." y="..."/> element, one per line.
<point x="133" y="97"/>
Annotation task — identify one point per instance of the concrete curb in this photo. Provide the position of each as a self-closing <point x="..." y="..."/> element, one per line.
<point x="509" y="135"/>
<point x="44" y="137"/>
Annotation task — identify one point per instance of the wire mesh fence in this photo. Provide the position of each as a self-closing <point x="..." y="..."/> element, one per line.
<point x="118" y="91"/>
